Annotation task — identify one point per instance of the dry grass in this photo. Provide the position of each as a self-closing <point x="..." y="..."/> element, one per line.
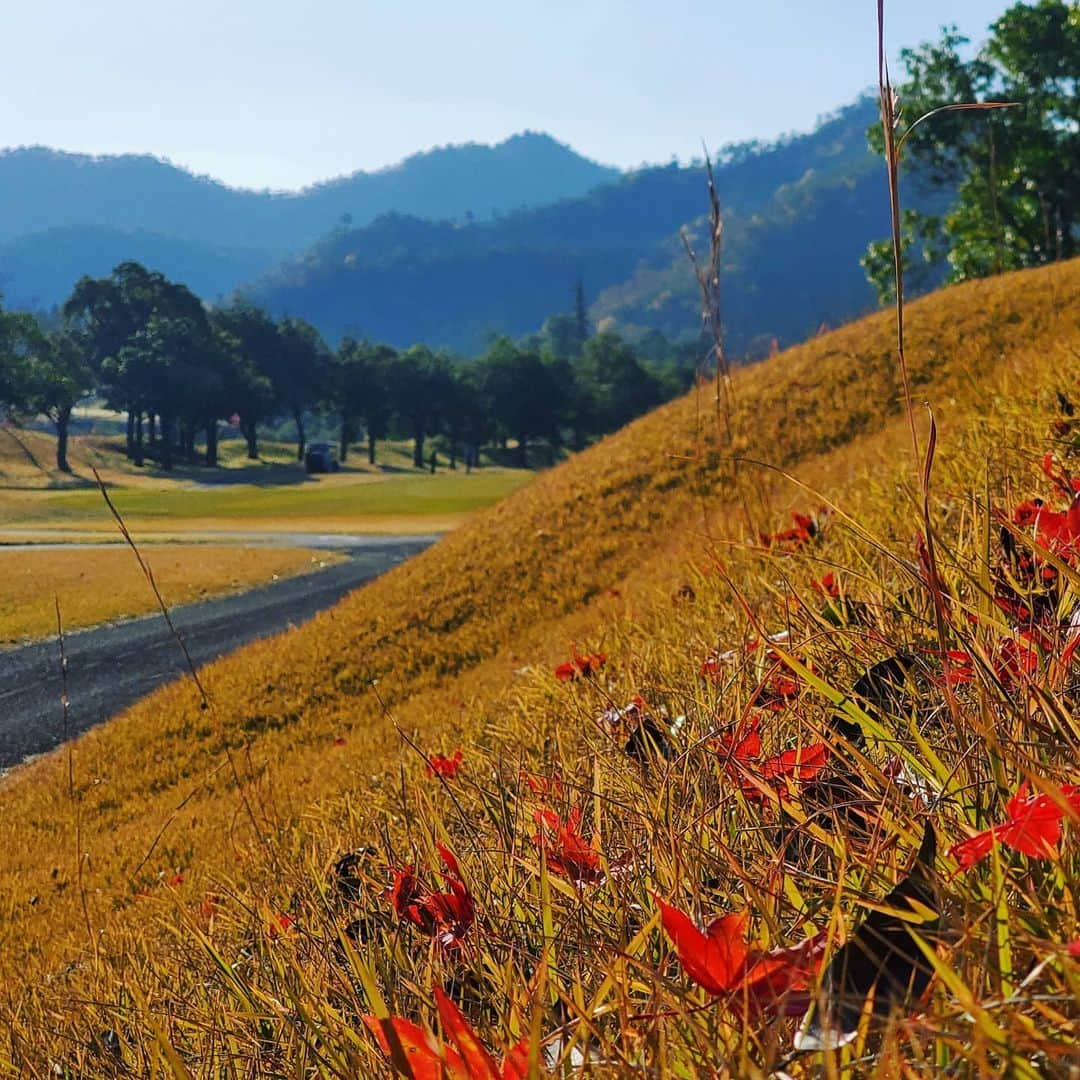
<point x="458" y="646"/>
<point x="100" y="585"/>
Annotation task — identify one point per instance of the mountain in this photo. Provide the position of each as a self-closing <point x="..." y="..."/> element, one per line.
<point x="38" y="270"/>
<point x="798" y="215"/>
<point x="43" y="191"/>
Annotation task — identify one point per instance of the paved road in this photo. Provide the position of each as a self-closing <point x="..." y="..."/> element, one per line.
<point x="74" y="540"/>
<point x="111" y="667"/>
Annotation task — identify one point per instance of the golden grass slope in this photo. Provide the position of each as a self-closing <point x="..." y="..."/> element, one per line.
<point x="96" y="585"/>
<point x="580" y="556"/>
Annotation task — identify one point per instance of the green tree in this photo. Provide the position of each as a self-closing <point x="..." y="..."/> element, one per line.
<point x="1015" y="171"/>
<point x="621" y="387"/>
<point x="360" y="392"/>
<point x="20" y="337"/>
<point x="417" y="379"/>
<point x="59" y="375"/>
<point x="526" y="396"/>
<point x="107" y="314"/>
<point x="299" y="369"/>
<point x="252" y="337"/>
<point x="164" y="364"/>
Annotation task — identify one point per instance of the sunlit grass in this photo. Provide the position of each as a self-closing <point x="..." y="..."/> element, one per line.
<point x="207" y="928"/>
<point x="32" y="580"/>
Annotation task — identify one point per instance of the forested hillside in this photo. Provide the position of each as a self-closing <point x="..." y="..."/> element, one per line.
<point x="809" y="202"/>
<point x="45" y="194"/>
<point x="38" y="270"/>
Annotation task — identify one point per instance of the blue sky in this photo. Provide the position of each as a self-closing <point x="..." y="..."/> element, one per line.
<point x="274" y="93"/>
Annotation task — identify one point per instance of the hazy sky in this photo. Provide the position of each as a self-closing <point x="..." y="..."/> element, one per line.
<point x="276" y="93"/>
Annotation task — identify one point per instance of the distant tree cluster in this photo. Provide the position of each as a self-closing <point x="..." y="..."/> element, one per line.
<point x="149" y="348"/>
<point x="1015" y="171"/>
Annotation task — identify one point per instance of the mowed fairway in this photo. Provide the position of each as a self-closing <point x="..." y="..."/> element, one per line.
<point x="347" y="502"/>
<point x="95" y="585"/>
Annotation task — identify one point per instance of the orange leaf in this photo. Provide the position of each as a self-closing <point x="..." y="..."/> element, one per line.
<point x="478" y="1062"/>
<point x="423" y="1057"/>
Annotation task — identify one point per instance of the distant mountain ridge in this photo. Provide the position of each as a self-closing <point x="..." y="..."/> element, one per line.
<point x="478" y="240"/>
<point x="48" y="195"/>
<point x="798" y="214"/>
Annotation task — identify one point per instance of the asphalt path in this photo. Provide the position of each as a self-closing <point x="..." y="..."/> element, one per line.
<point x="111" y="667"/>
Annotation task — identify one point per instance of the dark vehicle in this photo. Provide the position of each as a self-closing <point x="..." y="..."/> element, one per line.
<point x="320" y="457"/>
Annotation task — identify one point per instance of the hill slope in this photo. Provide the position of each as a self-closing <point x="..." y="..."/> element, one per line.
<point x="38" y="270"/>
<point x="459" y="644"/>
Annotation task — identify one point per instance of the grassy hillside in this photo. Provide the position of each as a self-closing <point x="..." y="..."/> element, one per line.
<point x="175" y="889"/>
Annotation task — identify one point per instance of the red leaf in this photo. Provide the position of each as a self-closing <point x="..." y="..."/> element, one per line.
<point x="742" y="746"/>
<point x="446" y="767"/>
<point x="516" y="1062"/>
<point x="714" y="960"/>
<point x="1033" y="826"/>
<point x="478" y="1062"/>
<point x="568" y="853"/>
<point x="423" y="1057"/>
<point x="566" y="672"/>
<point x="802" y="763"/>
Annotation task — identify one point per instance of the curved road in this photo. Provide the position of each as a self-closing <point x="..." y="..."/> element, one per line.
<point x="111" y="667"/>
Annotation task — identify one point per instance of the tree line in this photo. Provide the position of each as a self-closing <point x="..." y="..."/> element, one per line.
<point x="151" y="349"/>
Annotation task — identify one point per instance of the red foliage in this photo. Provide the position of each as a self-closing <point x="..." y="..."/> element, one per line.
<point x="581" y="667"/>
<point x="720" y="961"/>
<point x="280" y="926"/>
<point x="806" y="527"/>
<point x="568" y="852"/>
<point x="446" y="916"/>
<point x="828" y="586"/>
<point x="428" y="1061"/>
<point x="543" y="785"/>
<point x="741" y="753"/>
<point x="446" y="767"/>
<point x="1032" y="826"/>
<point x="778" y="687"/>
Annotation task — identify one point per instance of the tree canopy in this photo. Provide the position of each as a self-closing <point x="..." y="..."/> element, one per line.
<point x="1014" y="172"/>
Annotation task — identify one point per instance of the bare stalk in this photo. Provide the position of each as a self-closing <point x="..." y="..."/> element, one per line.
<point x="708" y="278"/>
<point x="65" y="705"/>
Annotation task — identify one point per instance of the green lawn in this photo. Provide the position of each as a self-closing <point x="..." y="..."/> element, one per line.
<point x="337" y="501"/>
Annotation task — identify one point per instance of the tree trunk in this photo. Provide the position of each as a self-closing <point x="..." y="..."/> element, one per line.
<point x="151" y="429"/>
<point x="138" y="439"/>
<point x="166" y="443"/>
<point x="251" y="434"/>
<point x="130" y="434"/>
<point x="453" y="452"/>
<point x="301" y="435"/>
<point x="63" y="422"/>
<point x="418" y="445"/>
<point x="522" y="448"/>
<point x="370" y="447"/>
<point x="346" y="438"/>
<point x="212" y="443"/>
